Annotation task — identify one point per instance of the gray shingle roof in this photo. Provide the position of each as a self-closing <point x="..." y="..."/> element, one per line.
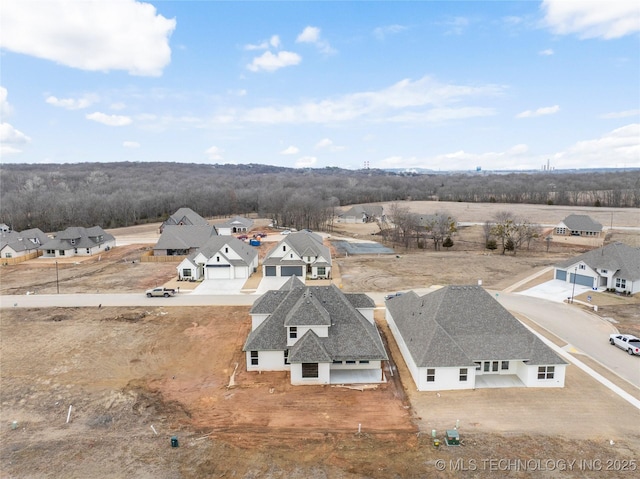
<point x="216" y="244"/>
<point x="360" y="210"/>
<point x="457" y="325"/>
<point x="309" y="349"/>
<point x="351" y="335"/>
<point x="184" y="237"/>
<point x="237" y="221"/>
<point x="186" y="216"/>
<point x="23" y="240"/>
<point x="82" y="237"/>
<point x="618" y="257"/>
<point x="582" y="223"/>
<point x="303" y="243"/>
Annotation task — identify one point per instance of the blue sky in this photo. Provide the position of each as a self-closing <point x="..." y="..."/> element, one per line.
<point x="417" y="84"/>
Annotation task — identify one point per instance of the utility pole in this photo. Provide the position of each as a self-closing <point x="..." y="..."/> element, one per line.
<point x="573" y="292"/>
<point x="57" y="279"/>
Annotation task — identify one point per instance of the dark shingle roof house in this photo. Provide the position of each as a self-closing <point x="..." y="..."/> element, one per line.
<point x="578" y="225"/>
<point x="184" y="216"/>
<point x="77" y="240"/>
<point x="237" y="224"/>
<point x="615" y="266"/>
<point x="464" y="328"/>
<point x="182" y="240"/>
<point x="318" y="333"/>
<point x="18" y="243"/>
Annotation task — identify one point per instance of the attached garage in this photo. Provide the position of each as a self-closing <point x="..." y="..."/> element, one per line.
<point x="582" y="280"/>
<point x="270" y="271"/>
<point x="561" y="275"/>
<point x="222" y="271"/>
<point x="292" y="271"/>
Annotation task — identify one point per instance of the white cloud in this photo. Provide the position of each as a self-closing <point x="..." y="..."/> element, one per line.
<point x="382" y="32"/>
<point x="270" y="62"/>
<point x="621" y="114"/>
<point x="309" y="35"/>
<point x="546" y="53"/>
<point x="312" y="35"/>
<point x="620" y="147"/>
<point x="306" y="162"/>
<point x="421" y="100"/>
<point x="290" y="150"/>
<point x="592" y="19"/>
<point x="327" y="144"/>
<point x="457" y="25"/>
<point x="547" y="110"/>
<point x="73" y="103"/>
<point x="5" y="108"/>
<point x="109" y="120"/>
<point x="89" y="35"/>
<point x="214" y="153"/>
<point x="11" y="139"/>
<point x="117" y="106"/>
<point x="131" y="144"/>
<point x="273" y="42"/>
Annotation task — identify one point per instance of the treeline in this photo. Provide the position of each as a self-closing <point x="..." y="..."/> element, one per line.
<point x="54" y="196"/>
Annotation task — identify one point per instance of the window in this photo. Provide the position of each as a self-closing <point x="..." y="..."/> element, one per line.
<point x="321" y="271"/>
<point x="88" y="251"/>
<point x="217" y="259"/>
<point x="284" y="247"/>
<point x="487" y="366"/>
<point x="478" y="365"/>
<point x="309" y="370"/>
<point x="431" y="375"/>
<point x="561" y="231"/>
<point x="604" y="271"/>
<point x="505" y="365"/>
<point x="51" y="251"/>
<point x="254" y="358"/>
<point x="293" y="332"/>
<point x="286" y="356"/>
<point x="186" y="273"/>
<point x="364" y="362"/>
<point x="61" y="252"/>
<point x="73" y="241"/>
<point x="582" y="266"/>
<point x="494" y="366"/>
<point x="8" y="255"/>
<point x="226" y="249"/>
<point x="336" y="361"/>
<point x="350" y="361"/>
<point x="546" y="372"/>
<point x="463" y="374"/>
<point x="621" y="283"/>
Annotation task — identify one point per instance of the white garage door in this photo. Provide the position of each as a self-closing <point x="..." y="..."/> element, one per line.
<point x="219" y="272"/>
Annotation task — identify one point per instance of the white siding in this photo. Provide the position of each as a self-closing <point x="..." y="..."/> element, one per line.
<point x="447" y="379"/>
<point x="324" y="375"/>
<point x="267" y="361"/>
<point x="529" y="376"/>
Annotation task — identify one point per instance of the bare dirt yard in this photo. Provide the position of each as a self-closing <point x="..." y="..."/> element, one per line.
<point x="135" y="377"/>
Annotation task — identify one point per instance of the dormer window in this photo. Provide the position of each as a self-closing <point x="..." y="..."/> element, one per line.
<point x="226" y="249"/>
<point x="217" y="259"/>
<point x="284" y="247"/>
<point x="73" y="241"/>
<point x="293" y="332"/>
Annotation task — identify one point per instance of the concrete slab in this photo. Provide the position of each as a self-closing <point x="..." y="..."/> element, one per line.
<point x="357" y="376"/>
<point x="220" y="286"/>
<point x="269" y="283"/>
<point x="498" y="381"/>
<point x="555" y="290"/>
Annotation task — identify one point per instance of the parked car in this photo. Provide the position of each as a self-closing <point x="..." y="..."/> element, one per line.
<point x="260" y="235"/>
<point x="628" y="342"/>
<point x="392" y="295"/>
<point x="162" y="292"/>
<point x="285" y="232"/>
<point x="243" y="237"/>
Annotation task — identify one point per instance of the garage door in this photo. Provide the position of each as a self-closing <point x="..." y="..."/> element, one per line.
<point x="270" y="271"/>
<point x="291" y="271"/>
<point x="219" y="272"/>
<point x="561" y="275"/>
<point x="581" y="279"/>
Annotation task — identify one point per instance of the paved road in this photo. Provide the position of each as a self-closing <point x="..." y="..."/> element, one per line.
<point x="585" y="332"/>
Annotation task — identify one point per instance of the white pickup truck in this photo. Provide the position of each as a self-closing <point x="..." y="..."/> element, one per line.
<point x="628" y="342"/>
<point x="166" y="292"/>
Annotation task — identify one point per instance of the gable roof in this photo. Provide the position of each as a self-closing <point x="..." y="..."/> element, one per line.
<point x="186" y="216"/>
<point x="215" y="245"/>
<point x="184" y="237"/>
<point x="22" y="240"/>
<point x="309" y="349"/>
<point x="350" y="335"/>
<point x="237" y="221"/>
<point x="581" y="223"/>
<point x="303" y="243"/>
<point x="360" y="210"/>
<point x="457" y="325"/>
<point x="618" y="257"/>
<point x="82" y="237"/>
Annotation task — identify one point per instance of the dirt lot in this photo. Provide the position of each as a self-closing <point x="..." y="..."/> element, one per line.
<point x="181" y="370"/>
